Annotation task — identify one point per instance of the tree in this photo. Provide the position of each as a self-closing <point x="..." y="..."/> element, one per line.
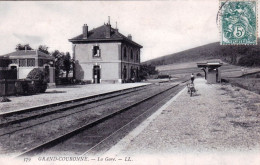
<point x="146" y="70"/>
<point x="58" y="62"/>
<point x="63" y="62"/>
<point x="67" y="63"/>
<point x="23" y="47"/>
<point x="44" y="49"/>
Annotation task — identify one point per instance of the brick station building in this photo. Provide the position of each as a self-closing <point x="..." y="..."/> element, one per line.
<point x="103" y="55"/>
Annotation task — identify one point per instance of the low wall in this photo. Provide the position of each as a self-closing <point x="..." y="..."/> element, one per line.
<point x="8" y="74"/>
<point x="7" y="87"/>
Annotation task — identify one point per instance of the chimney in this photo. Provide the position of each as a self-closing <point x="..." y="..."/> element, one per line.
<point x="129" y="36"/>
<point x="116" y="29"/>
<point x="85" y="31"/>
<point x="108" y="30"/>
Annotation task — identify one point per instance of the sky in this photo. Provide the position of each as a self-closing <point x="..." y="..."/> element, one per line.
<point x="161" y="27"/>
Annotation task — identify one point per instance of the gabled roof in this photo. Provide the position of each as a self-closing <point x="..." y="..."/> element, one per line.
<point x="98" y="34"/>
<point x="27" y="53"/>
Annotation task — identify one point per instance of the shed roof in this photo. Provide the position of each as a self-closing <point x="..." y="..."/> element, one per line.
<point x="28" y="53"/>
<point x="209" y="64"/>
<point x="99" y="35"/>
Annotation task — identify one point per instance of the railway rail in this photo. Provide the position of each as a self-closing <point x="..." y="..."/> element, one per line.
<point x="61" y="112"/>
<point x="33" y="117"/>
<point x="29" y="113"/>
<point x="125" y="116"/>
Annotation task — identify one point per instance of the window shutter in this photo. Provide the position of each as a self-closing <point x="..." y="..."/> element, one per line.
<point x="92" y="51"/>
<point x="99" y="53"/>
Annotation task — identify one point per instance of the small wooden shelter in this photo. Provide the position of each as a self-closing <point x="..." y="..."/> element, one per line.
<point x="212" y="71"/>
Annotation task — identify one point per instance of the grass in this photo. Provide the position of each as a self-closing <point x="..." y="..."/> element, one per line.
<point x="251" y="84"/>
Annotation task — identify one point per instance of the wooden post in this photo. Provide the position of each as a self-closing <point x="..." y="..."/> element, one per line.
<point x="5" y="86"/>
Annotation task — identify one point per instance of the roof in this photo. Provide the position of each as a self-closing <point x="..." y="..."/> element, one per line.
<point x="209" y="64"/>
<point x="98" y="35"/>
<point x="27" y="53"/>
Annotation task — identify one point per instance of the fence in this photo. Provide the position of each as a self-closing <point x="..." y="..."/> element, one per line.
<point x="8" y="74"/>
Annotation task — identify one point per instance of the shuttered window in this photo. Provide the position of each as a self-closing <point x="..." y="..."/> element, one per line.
<point x="137" y="56"/>
<point x="22" y="62"/>
<point x="31" y="62"/>
<point x="132" y="54"/>
<point x="14" y="61"/>
<point x="96" y="52"/>
<point x="125" y="53"/>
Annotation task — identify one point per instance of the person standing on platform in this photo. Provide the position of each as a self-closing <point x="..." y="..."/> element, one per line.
<point x="192" y="78"/>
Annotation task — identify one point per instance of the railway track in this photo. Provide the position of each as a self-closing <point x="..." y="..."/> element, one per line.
<point x="126" y="114"/>
<point x="30" y="113"/>
<point x="78" y="115"/>
<point x="17" y="121"/>
<point x="27" y="134"/>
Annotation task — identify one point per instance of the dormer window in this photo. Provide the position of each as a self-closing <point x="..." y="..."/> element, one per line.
<point x="96" y="52"/>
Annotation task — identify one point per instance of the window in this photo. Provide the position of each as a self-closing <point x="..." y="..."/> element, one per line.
<point x="96" y="52"/>
<point x="125" y="55"/>
<point x="30" y="62"/>
<point x="137" y="56"/>
<point x="22" y="62"/>
<point x="40" y="62"/>
<point x="14" y="61"/>
<point x="13" y="67"/>
<point x="132" y="55"/>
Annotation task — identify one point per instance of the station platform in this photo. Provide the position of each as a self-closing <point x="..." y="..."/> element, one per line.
<point x="64" y="93"/>
<point x="219" y="125"/>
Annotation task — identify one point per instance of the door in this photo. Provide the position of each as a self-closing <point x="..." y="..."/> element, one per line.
<point x="96" y="74"/>
<point x="13" y="72"/>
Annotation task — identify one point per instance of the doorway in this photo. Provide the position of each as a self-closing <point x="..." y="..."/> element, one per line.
<point x="96" y="74"/>
<point x="47" y="73"/>
<point x="13" y="72"/>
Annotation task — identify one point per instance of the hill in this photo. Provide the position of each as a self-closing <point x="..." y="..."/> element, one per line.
<point x="243" y="55"/>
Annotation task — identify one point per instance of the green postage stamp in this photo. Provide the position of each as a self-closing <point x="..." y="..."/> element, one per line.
<point x="238" y="21"/>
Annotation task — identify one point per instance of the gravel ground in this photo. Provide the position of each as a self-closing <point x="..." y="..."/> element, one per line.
<point x="59" y="94"/>
<point x="220" y="120"/>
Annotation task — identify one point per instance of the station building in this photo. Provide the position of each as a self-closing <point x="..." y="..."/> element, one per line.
<point x="23" y="61"/>
<point x="103" y="55"/>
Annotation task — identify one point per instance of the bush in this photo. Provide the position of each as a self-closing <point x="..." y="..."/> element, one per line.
<point x="146" y="70"/>
<point x="163" y="76"/>
<point x="36" y="74"/>
<point x="21" y="87"/>
<point x="38" y="86"/>
<point x="252" y="60"/>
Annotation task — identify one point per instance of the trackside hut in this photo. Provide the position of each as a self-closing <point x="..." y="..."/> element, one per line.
<point x="103" y="55"/>
<point x="26" y="60"/>
<point x="212" y="71"/>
